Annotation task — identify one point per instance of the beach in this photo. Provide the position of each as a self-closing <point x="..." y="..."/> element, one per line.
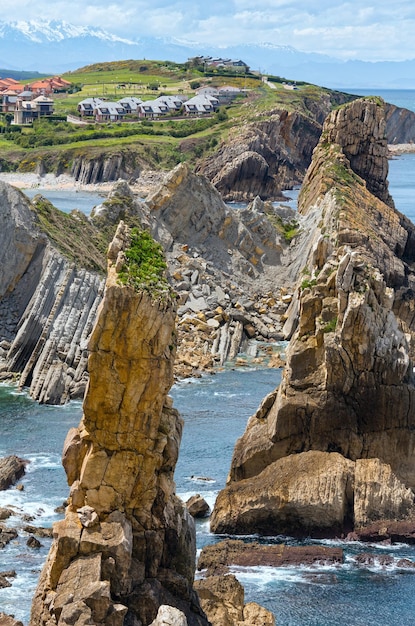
<point x="142" y="186"/>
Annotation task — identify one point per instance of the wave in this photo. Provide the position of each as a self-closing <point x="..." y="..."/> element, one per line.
<point x="43" y="461"/>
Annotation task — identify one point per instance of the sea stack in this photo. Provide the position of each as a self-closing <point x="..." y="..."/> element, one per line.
<point x="127" y="543"/>
<point x="334" y="451"/>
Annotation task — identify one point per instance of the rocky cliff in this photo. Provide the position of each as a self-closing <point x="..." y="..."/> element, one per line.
<point x="332" y="450"/>
<point x="127" y="543"/>
<point x="48" y="298"/>
<point x="263" y="157"/>
<point x="400" y="125"/>
<point x="223" y="264"/>
<point x="273" y="151"/>
<point x="98" y="167"/>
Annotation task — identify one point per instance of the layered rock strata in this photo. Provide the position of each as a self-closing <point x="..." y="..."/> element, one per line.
<point x="334" y="450"/>
<point x="127" y="543"/>
<point x="48" y="300"/>
<point x="223" y="264"/>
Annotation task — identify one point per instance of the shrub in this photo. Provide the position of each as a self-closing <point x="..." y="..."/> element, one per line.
<point x="145" y="266"/>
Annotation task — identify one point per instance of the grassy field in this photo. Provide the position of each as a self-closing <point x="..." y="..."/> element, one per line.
<point x="163" y="143"/>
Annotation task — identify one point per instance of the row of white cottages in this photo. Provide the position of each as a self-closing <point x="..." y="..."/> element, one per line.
<point x="204" y="103"/>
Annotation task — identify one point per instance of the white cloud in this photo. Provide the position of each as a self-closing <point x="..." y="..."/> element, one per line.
<point x="366" y="29"/>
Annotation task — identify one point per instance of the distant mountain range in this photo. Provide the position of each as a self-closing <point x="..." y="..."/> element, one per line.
<point x="57" y="47"/>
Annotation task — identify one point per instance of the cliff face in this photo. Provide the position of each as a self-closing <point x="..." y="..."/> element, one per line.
<point x="264" y="157"/>
<point x="347" y="395"/>
<point x="98" y="168"/>
<point x="127" y="543"/>
<point x="400" y="124"/>
<point x="47" y="302"/>
<point x="223" y="263"/>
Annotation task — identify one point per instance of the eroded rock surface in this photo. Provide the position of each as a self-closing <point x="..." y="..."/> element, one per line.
<point x="127" y="543"/>
<point x="223" y="600"/>
<point x="223" y="264"/>
<point x="347" y="392"/>
<point x="11" y="469"/>
<point x="48" y="302"/>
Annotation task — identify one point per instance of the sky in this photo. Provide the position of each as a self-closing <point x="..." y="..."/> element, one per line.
<point x="369" y="30"/>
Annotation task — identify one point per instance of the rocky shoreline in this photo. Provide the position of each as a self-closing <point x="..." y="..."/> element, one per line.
<point x="147" y="180"/>
<point x="327" y="454"/>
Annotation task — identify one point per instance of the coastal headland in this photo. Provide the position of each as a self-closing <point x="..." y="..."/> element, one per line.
<point x="328" y="453"/>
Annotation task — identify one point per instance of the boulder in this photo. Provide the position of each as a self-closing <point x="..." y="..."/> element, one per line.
<point x="301" y="494"/>
<point x="8" y="620"/>
<point x="197" y="506"/>
<point x="11" y="469"/>
<point x="169" y="616"/>
<point x="222" y="599"/>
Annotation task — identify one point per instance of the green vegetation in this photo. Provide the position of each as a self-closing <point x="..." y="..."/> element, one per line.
<point x="288" y="229"/>
<point x="72" y="234"/>
<point x="145" y="266"/>
<point x="307" y="283"/>
<point x="164" y="142"/>
<point x="330" y="327"/>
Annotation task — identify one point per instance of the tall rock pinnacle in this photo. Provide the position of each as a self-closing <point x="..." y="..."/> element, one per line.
<point x="334" y="449"/>
<point x="127" y="543"/>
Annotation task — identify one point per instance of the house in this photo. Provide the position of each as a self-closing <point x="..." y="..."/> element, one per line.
<point x="201" y="105"/>
<point x="8" y="100"/>
<point x="221" y="63"/>
<point x="108" y="111"/>
<point x="152" y="109"/>
<point x="86" y="107"/>
<point x="29" y="110"/>
<point x="130" y="104"/>
<point x="9" y="97"/>
<point x="10" y="83"/>
<point x="47" y="86"/>
<point x="174" y="103"/>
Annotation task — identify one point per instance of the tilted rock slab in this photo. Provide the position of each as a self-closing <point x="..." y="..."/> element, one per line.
<point x="127" y="543"/>
<point x="348" y="386"/>
<point x="47" y="306"/>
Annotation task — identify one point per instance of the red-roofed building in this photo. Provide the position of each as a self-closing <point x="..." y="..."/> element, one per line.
<point x="47" y="86"/>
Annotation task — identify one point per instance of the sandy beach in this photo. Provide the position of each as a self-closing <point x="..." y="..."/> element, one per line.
<point x="401" y="148"/>
<point x="142" y="186"/>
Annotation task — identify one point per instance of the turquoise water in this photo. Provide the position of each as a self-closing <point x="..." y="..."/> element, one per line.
<point x="68" y="201"/>
<point x="404" y="98"/>
<point x="215" y="409"/>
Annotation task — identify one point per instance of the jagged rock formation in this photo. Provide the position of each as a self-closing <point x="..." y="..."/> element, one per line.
<point x="274" y="151"/>
<point x="222" y="599"/>
<point x="127" y="543"/>
<point x="48" y="300"/>
<point x="264" y="157"/>
<point x="223" y="264"/>
<point x="101" y="167"/>
<point x="334" y="451"/>
<point x="400" y="125"/>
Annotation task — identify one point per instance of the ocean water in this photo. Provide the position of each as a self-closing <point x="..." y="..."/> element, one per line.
<point x="215" y="409"/>
<point x="68" y="201"/>
<point x="404" y="98"/>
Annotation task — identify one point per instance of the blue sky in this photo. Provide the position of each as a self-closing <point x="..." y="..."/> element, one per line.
<point x="369" y="30"/>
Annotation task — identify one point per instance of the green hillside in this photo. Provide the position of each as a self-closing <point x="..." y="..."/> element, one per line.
<point x="164" y="143"/>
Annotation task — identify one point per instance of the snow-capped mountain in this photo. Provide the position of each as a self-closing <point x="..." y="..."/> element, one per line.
<point x="55" y="47"/>
<point x="47" y="31"/>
